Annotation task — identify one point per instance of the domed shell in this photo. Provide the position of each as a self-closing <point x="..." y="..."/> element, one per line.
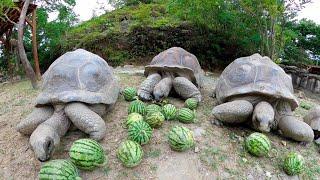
<point x="255" y="75"/>
<point x="179" y="62"/>
<point x="313" y="118"/>
<point x="79" y="76"/>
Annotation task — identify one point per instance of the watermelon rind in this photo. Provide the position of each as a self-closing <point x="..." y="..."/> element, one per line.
<point x="87" y="154"/>
<point x="140" y="132"/>
<point x="293" y="164"/>
<point x="180" y="138"/>
<point x="258" y="144"/>
<point x="169" y="111"/>
<point x="186" y="115"/>
<point x="130" y="153"/>
<point x="59" y="169"/>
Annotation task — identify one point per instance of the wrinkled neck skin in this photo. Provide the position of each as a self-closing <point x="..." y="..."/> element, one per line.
<point x="282" y="108"/>
<point x="47" y="135"/>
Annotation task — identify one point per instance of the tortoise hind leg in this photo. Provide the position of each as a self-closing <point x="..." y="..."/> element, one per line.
<point x="86" y="120"/>
<point x="146" y="88"/>
<point x="186" y="89"/>
<point x="36" y="117"/>
<point x="233" y="112"/>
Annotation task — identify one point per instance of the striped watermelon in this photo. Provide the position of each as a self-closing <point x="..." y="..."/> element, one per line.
<point x="258" y="144"/>
<point x="155" y="119"/>
<point x="130" y="153"/>
<point x="180" y="138"/>
<point x="293" y="164"/>
<point x="191" y="103"/>
<point x="140" y="132"/>
<point x="87" y="154"/>
<point x="133" y="117"/>
<point x="129" y="93"/>
<point x="152" y="108"/>
<point x="185" y="115"/>
<point x="59" y="169"/>
<point x="169" y="111"/>
<point x="137" y="106"/>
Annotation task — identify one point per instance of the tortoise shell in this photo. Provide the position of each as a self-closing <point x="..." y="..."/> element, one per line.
<point x="255" y="75"/>
<point x="79" y="76"/>
<point x="179" y="62"/>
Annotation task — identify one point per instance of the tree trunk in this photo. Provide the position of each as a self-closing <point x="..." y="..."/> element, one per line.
<point x="22" y="53"/>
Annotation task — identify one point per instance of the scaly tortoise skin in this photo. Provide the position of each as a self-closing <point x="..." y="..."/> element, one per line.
<point x="78" y="87"/>
<point x="313" y="119"/>
<point x="174" y="67"/>
<point x="256" y="87"/>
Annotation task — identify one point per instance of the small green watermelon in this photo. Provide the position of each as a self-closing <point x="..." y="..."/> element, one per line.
<point x="140" y="132"/>
<point x="191" y="103"/>
<point x="137" y="106"/>
<point x="59" y="169"/>
<point x="133" y="117"/>
<point x="185" y="115"/>
<point x="293" y="164"/>
<point x="258" y="144"/>
<point x="129" y="93"/>
<point x="130" y="153"/>
<point x="87" y="154"/>
<point x="169" y="111"/>
<point x="155" y="119"/>
<point x="152" y="108"/>
<point x="180" y="138"/>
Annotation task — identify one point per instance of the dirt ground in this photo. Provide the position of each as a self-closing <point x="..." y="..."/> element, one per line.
<point x="218" y="154"/>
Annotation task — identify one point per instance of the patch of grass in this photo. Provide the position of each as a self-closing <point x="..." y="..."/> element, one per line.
<point x="106" y="170"/>
<point x="306" y="105"/>
<point x="154" y="153"/>
<point x="153" y="167"/>
<point x="213" y="157"/>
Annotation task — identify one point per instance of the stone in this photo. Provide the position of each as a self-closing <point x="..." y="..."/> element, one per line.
<point x="310" y="84"/>
<point x="304" y="82"/>
<point x="317" y="86"/>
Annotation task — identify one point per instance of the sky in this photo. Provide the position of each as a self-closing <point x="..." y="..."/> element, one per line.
<point x="85" y="9"/>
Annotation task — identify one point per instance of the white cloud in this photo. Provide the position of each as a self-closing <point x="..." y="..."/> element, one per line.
<point x="311" y="11"/>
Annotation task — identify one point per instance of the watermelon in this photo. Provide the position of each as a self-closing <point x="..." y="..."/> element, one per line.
<point x="87" y="154"/>
<point x="169" y="111"/>
<point x="130" y="153"/>
<point x="191" y="103"/>
<point x="137" y="106"/>
<point x="152" y="108"/>
<point x="129" y="93"/>
<point x="185" y="115"/>
<point x="293" y="164"/>
<point x="140" y="132"/>
<point x="258" y="144"/>
<point x="133" y="117"/>
<point x="180" y="138"/>
<point x="59" y="169"/>
<point x="155" y="119"/>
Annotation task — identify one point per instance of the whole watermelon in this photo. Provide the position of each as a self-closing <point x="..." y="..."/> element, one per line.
<point x="153" y="108"/>
<point x="140" y="132"/>
<point x="133" y="117"/>
<point x="258" y="144"/>
<point x="155" y="119"/>
<point x="130" y="153"/>
<point x="59" y="169"/>
<point x="191" y="103"/>
<point x="169" y="111"/>
<point x="87" y="154"/>
<point x="129" y="93"/>
<point x="185" y="115"/>
<point x="137" y="106"/>
<point x="293" y="164"/>
<point x="180" y="138"/>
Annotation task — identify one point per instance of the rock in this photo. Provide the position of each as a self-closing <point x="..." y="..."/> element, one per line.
<point x="196" y="149"/>
<point x="317" y="86"/>
<point x="284" y="143"/>
<point x="304" y="82"/>
<point x="268" y="174"/>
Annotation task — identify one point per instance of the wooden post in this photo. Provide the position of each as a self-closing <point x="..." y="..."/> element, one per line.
<point x="34" y="44"/>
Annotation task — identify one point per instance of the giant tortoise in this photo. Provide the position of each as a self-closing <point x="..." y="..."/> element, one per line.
<point x="174" y="67"/>
<point x="78" y="87"/>
<point x="256" y="87"/>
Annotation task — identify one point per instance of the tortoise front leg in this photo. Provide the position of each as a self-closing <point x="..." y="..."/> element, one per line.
<point x="186" y="89"/>
<point x="86" y="120"/>
<point x="290" y="126"/>
<point x="146" y="88"/>
<point x="36" y="117"/>
<point x="234" y="112"/>
<point x="47" y="135"/>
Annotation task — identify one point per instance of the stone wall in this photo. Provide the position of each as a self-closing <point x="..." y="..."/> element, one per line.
<point x="301" y="78"/>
